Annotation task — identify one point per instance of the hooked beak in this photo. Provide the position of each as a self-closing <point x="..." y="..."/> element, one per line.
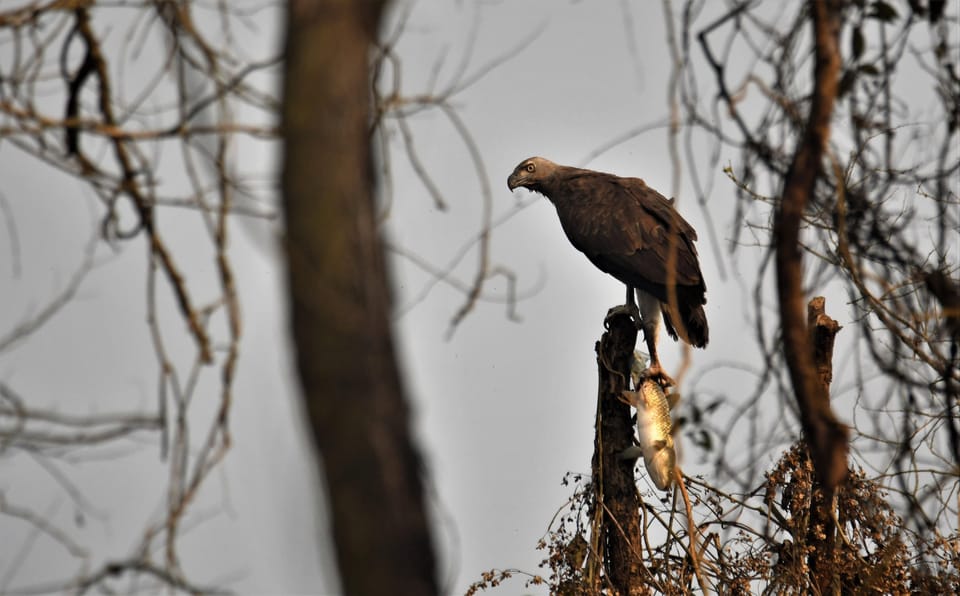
<point x="515" y="180"/>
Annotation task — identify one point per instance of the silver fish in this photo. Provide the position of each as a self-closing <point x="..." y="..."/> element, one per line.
<point x="653" y="427"/>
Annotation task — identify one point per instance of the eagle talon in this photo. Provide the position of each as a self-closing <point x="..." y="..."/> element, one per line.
<point x="655" y="372"/>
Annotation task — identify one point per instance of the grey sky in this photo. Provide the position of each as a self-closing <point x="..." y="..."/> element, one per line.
<point x="503" y="409"/>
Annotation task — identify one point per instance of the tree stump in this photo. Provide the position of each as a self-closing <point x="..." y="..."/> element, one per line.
<point x="616" y="501"/>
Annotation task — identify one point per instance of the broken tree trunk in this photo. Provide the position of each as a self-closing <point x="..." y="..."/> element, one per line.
<point x="822" y="331"/>
<point x="616" y="538"/>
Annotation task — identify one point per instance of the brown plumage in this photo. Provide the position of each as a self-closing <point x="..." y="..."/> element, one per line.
<point x="626" y="229"/>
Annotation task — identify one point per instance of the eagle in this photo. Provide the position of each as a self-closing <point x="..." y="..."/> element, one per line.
<point x="629" y="230"/>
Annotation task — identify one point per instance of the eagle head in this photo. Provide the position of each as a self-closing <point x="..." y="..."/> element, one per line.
<point x="531" y="173"/>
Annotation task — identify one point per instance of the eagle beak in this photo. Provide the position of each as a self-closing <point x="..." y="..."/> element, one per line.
<point x="514" y="181"/>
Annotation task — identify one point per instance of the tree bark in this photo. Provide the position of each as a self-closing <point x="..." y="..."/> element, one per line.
<point x="340" y="303"/>
<point x="823" y="332"/>
<point x="614" y="484"/>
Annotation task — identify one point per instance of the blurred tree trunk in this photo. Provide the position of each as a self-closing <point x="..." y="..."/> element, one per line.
<point x="616" y="501"/>
<point x="340" y="303"/>
<point x="825" y="435"/>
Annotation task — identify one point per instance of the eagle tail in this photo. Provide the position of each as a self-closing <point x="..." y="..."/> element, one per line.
<point x="693" y="328"/>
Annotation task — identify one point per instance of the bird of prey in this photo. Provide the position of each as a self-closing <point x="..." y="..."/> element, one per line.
<point x="632" y="232"/>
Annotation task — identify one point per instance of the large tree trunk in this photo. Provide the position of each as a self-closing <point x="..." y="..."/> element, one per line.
<point x="340" y="304"/>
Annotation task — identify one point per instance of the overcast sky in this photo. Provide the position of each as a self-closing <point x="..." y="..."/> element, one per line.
<point x="508" y="408"/>
<point x="503" y="409"/>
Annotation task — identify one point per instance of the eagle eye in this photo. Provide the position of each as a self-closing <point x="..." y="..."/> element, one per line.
<point x="530" y="167"/>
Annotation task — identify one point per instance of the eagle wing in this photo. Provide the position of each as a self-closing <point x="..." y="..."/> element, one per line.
<point x="624" y="227"/>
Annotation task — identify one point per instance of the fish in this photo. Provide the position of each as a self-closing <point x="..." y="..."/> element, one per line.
<point x="654" y="427"/>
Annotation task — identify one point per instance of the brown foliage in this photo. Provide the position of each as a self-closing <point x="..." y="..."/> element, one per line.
<point x="771" y="536"/>
<point x="872" y="551"/>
